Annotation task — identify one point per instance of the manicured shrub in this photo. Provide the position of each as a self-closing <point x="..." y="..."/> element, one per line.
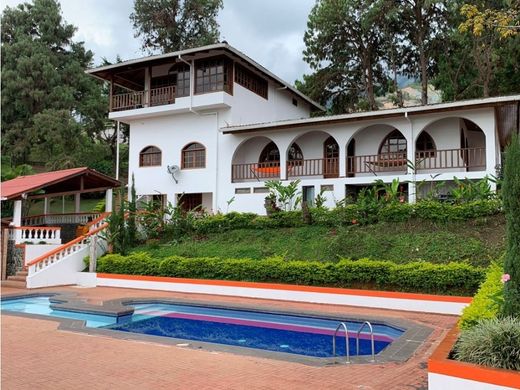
<point x="493" y="343"/>
<point x="396" y="212"/>
<point x="487" y="302"/>
<point x="452" y="278"/>
<point x="511" y="196"/>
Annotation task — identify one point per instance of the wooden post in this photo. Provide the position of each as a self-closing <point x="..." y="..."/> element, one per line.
<point x="111" y="92"/>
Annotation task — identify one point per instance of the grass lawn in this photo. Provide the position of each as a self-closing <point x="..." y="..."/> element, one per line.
<point x="478" y="241"/>
<point x="56" y="206"/>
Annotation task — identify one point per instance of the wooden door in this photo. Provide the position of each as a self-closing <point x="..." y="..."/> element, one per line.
<point x="351" y="160"/>
<point x="330" y="158"/>
<point x="190" y="202"/>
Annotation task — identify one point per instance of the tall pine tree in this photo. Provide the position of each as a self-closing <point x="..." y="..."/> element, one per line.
<point x="171" y="25"/>
<point x="50" y="107"/>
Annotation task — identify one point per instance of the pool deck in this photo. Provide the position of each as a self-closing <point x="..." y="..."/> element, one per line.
<point x="36" y="355"/>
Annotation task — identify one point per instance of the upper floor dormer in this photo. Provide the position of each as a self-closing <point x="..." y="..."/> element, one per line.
<point x="207" y="78"/>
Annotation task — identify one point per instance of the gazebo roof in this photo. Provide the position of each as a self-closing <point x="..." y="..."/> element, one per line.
<point x="57" y="183"/>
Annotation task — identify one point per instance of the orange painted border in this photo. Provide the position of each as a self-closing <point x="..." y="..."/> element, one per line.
<point x="291" y="287"/>
<point x="439" y="363"/>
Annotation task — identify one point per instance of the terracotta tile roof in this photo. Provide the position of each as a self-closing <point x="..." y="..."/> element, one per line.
<point x="18" y="186"/>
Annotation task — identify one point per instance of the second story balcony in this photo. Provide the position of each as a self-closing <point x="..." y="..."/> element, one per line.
<point x="140" y="99"/>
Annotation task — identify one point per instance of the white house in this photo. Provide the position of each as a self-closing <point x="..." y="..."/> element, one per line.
<point x="212" y="124"/>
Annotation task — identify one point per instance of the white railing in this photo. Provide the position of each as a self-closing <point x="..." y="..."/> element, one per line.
<point x="56" y="219"/>
<point x="60" y="265"/>
<point x="36" y="235"/>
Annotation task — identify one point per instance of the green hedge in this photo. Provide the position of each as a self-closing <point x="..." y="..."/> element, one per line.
<point x="352" y="214"/>
<point x="487" y="302"/>
<point x="452" y="278"/>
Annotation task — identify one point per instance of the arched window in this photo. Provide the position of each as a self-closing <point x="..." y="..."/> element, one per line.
<point x="393" y="143"/>
<point x="424" y="146"/>
<point x="150" y="157"/>
<point x="270" y="153"/>
<point x="194" y="156"/>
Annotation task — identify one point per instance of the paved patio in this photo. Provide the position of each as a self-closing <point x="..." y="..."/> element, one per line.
<point x="36" y="355"/>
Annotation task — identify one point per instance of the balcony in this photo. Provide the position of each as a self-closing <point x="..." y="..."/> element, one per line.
<point x="390" y="163"/>
<point x="453" y="160"/>
<point x="436" y="161"/>
<point x="139" y="99"/>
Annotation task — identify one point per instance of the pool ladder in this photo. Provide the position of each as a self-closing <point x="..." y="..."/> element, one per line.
<point x="347" y="348"/>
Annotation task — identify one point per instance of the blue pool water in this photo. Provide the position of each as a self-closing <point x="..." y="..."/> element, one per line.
<point x="41" y="305"/>
<point x="273" y="332"/>
<point x="268" y="331"/>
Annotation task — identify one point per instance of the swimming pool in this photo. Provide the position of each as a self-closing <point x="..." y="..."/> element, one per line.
<point x="300" y="335"/>
<point x="275" y="332"/>
<point x="41" y="305"/>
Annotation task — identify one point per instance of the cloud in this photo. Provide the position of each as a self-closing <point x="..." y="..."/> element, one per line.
<point x="269" y="31"/>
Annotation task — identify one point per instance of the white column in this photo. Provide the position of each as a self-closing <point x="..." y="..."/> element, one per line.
<point x="147" y="85"/>
<point x="491" y="151"/>
<point x="45" y="205"/>
<point x="17" y="213"/>
<point x="108" y="201"/>
<point x="342" y="160"/>
<point x="77" y="203"/>
<point x="412" y="196"/>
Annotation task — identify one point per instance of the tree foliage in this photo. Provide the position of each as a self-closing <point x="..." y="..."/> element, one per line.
<point x="171" y="25"/>
<point x="357" y="50"/>
<point x="481" y="59"/>
<point x="50" y="108"/>
<point x="343" y="48"/>
<point x="511" y="197"/>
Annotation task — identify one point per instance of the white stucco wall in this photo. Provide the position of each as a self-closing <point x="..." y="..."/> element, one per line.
<point x="36" y="250"/>
<point x="172" y="131"/>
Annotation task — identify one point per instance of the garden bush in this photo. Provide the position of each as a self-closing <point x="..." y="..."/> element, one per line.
<point x="363" y="214"/>
<point x="487" y="302"/>
<point x="452" y="278"/>
<point x="493" y="343"/>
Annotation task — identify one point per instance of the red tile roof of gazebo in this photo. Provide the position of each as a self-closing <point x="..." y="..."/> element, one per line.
<point x="54" y="182"/>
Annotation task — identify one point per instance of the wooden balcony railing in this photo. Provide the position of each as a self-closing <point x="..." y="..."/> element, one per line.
<point x="467" y="158"/>
<point x="327" y="167"/>
<point x="163" y="95"/>
<point x="255" y="171"/>
<point x="387" y="162"/>
<point x="140" y="99"/>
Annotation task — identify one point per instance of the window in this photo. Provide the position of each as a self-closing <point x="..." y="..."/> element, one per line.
<point x="260" y="190"/>
<point x="295" y="102"/>
<point x="424" y="146"/>
<point x="251" y="81"/>
<point x="243" y="190"/>
<point x="271" y="153"/>
<point x="327" y="187"/>
<point x="213" y="75"/>
<point x="150" y="157"/>
<point x="194" y="156"/>
<point x="393" y="143"/>
<point x="180" y="74"/>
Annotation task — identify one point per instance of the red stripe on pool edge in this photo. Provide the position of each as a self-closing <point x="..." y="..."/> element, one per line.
<point x="290" y="287"/>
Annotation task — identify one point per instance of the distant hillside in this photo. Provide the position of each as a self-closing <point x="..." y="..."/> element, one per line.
<point x="411" y="95"/>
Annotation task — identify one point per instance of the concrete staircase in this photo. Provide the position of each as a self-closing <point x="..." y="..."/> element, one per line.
<point x="16" y="281"/>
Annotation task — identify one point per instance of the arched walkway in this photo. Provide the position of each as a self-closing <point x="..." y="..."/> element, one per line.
<point x="257" y="158"/>
<point x="320" y="153"/>
<point x="455" y="144"/>
<point x="376" y="149"/>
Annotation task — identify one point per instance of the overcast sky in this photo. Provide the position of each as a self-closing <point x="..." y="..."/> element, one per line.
<point x="269" y="31"/>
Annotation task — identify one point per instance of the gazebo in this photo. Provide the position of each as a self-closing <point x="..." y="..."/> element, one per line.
<point x="75" y="181"/>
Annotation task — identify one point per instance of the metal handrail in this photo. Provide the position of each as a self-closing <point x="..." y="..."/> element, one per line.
<point x="371" y="337"/>
<point x="341" y="324"/>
